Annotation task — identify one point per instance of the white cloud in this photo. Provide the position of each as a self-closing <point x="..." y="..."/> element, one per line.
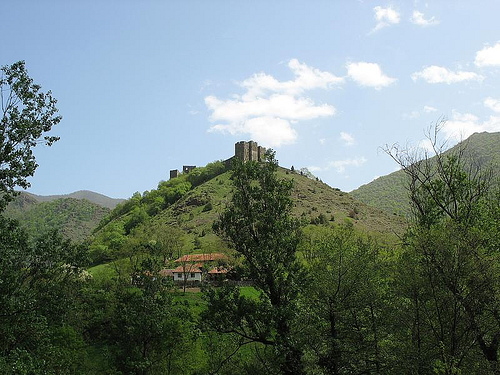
<point x="341" y="165"/>
<point x="439" y="74"/>
<point x="277" y="105"/>
<point x="269" y="108"/>
<point x="347" y="138"/>
<point x="417" y="18"/>
<point x="412" y="115"/>
<point x="416" y="114"/>
<point x="493" y="104"/>
<point x="322" y="141"/>
<point x="488" y="56"/>
<point x="306" y="78"/>
<point x="462" y="126"/>
<point x="385" y="17"/>
<point x="368" y="74"/>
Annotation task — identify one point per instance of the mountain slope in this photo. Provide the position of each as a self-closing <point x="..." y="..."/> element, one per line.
<point x="389" y="193"/>
<point x="100" y="199"/>
<point x="74" y="218"/>
<point x="195" y="211"/>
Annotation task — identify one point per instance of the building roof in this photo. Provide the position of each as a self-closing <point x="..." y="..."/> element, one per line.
<point x="210" y="257"/>
<point x="183" y="269"/>
<point x="165" y="273"/>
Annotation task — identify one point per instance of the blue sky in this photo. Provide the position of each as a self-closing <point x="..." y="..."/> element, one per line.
<point x="145" y="87"/>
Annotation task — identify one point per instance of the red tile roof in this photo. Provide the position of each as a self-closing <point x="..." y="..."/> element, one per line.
<point x="166" y="272"/>
<point x="187" y="269"/>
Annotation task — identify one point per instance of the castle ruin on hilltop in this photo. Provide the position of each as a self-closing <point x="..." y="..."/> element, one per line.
<point x="243" y="150"/>
<point x="249" y="151"/>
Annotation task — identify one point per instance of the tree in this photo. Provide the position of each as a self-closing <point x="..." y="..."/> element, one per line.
<point x="39" y="289"/>
<point x="149" y="332"/>
<point x="258" y="225"/>
<point x="346" y="311"/>
<point x="453" y="245"/>
<point x="27" y="113"/>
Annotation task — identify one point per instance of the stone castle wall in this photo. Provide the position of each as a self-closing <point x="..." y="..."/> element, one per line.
<point x="249" y="151"/>
<point x="245" y="151"/>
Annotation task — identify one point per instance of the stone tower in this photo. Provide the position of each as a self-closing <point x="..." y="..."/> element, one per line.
<point x="249" y="151"/>
<point x="174" y="173"/>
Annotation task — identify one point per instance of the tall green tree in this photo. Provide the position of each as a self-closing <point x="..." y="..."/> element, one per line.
<point x="453" y="247"/>
<point x="27" y="113"/>
<point x="258" y="225"/>
<point x="346" y="302"/>
<point x="38" y="292"/>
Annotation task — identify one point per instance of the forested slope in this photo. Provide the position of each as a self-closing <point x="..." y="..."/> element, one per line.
<point x="389" y="193"/>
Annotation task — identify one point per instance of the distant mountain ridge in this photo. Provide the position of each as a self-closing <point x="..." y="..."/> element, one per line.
<point x="100" y="199"/>
<point x="74" y="218"/>
<point x="389" y="193"/>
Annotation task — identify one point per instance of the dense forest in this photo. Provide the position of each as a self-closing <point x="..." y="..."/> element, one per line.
<point x="309" y="292"/>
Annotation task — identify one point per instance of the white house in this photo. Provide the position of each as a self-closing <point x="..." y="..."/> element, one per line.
<point x="187" y="272"/>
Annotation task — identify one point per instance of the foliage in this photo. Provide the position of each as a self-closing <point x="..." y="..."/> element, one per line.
<point x="259" y="226"/>
<point x="38" y="294"/>
<point x="390" y="192"/>
<point x="73" y="218"/>
<point x="454" y="251"/>
<point x="347" y="310"/>
<point x="27" y="113"/>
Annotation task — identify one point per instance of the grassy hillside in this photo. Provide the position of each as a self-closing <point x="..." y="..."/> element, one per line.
<point x="389" y="193"/>
<point x="197" y="205"/>
<point x="74" y="218"/>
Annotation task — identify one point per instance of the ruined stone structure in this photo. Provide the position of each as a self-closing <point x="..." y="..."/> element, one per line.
<point x="249" y="151"/>
<point x="245" y="151"/>
<point x="174" y="173"/>
<point x="188" y="168"/>
<point x="185" y="169"/>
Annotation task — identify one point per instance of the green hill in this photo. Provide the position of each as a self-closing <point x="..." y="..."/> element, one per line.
<point x="99" y="199"/>
<point x="192" y="202"/>
<point x="389" y="193"/>
<point x="74" y="218"/>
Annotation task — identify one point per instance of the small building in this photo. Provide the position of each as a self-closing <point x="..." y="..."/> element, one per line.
<point x="166" y="273"/>
<point x="200" y="267"/>
<point x="187" y="272"/>
<point x="217" y="274"/>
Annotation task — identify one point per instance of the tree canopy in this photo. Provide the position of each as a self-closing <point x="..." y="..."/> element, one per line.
<point x="27" y="113"/>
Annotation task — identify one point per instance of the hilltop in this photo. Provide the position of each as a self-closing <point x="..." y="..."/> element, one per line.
<point x="389" y="193"/>
<point x="192" y="202"/>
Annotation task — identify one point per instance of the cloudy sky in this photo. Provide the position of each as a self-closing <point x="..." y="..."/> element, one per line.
<point x="145" y="87"/>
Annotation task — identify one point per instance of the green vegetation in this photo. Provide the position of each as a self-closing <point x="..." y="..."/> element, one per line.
<point x="390" y="193"/>
<point x="74" y="219"/>
<point x="27" y="113"/>
<point x="320" y="297"/>
<point x="192" y="209"/>
<point x="259" y="226"/>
